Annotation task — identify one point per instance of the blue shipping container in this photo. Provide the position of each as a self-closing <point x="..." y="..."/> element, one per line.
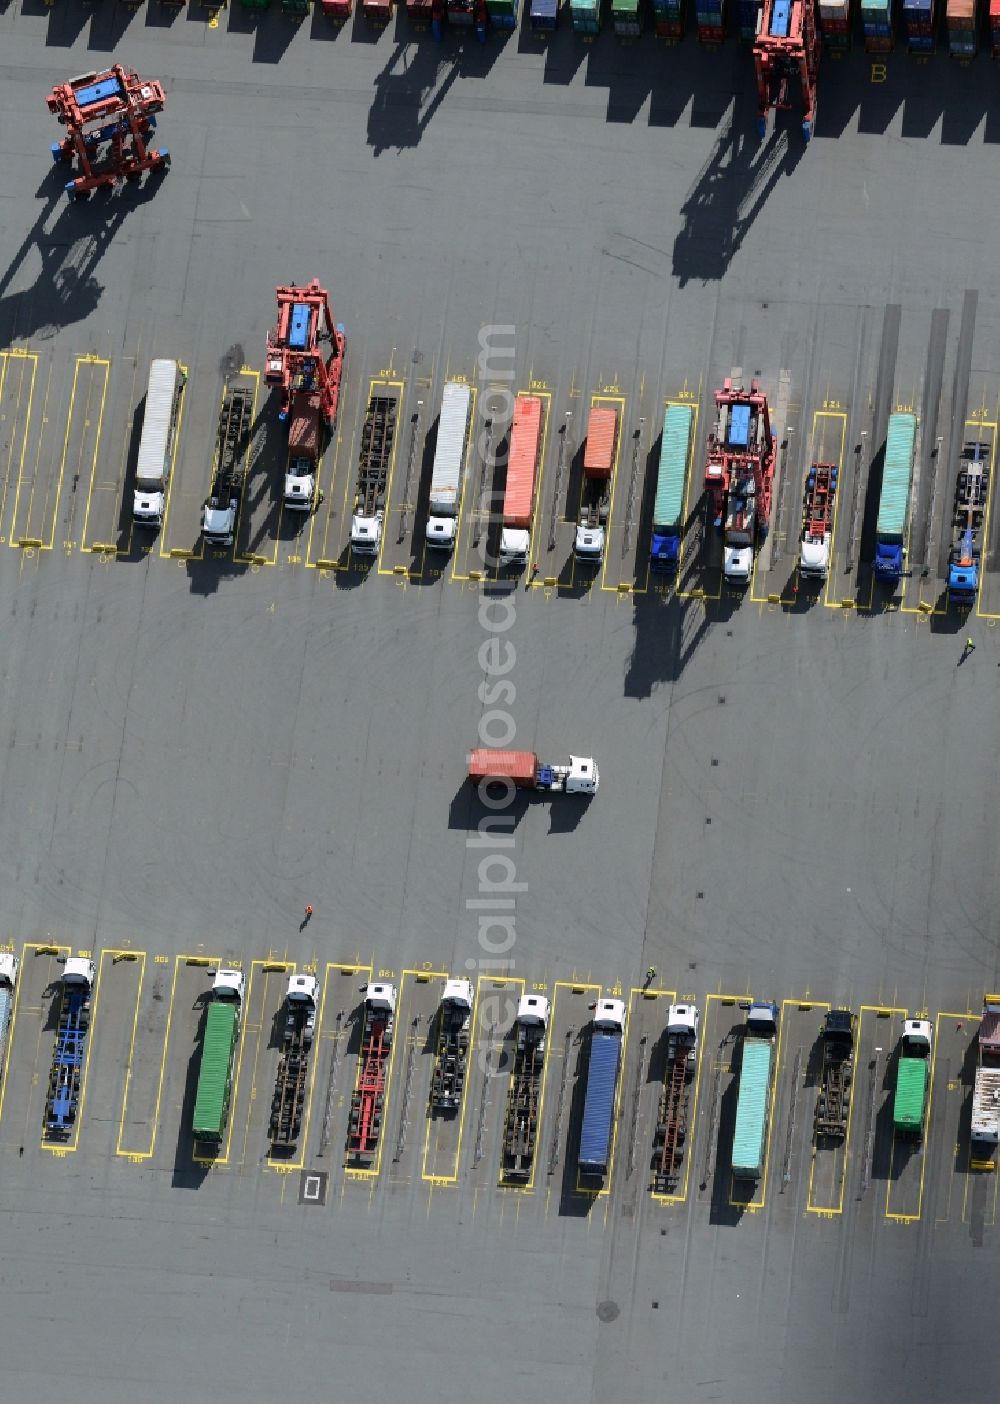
<point x="98" y="92"/>
<point x="298" y="327"/>
<point x="544" y="12"/>
<point x="598" y="1109"/>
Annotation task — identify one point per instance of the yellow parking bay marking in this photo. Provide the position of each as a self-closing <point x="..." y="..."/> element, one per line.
<point x="137" y="1156"/>
<point x="693" y="492"/>
<point x="451" y="1177"/>
<point x="753" y="1203"/>
<point x="222" y="1159"/>
<point x="890" y="1213"/>
<point x="64" y="1147"/>
<point x="841" y="1154"/>
<point x="16" y="361"/>
<point x="36" y="947"/>
<point x="171" y="481"/>
<point x="370" y="1172"/>
<point x="681" y="1194"/>
<point x="582" y="989"/>
<point x="299" y="1164"/>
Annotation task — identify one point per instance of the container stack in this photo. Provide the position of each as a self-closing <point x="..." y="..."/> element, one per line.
<point x="502" y="13"/>
<point x="876" y="21"/>
<point x="669" y="17"/>
<point x="835" y="24"/>
<point x="585" y="16"/>
<point x="995" y="26"/>
<point x="963" y="23"/>
<point x="747" y="15"/>
<point x="626" y="18"/>
<point x="919" y="19"/>
<point x="711" y="15"/>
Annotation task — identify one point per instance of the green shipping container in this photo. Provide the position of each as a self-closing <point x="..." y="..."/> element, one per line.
<point x="911" y="1092"/>
<point x="896" y="476"/>
<point x="211" y="1103"/>
<point x="674" y="449"/>
<point x="585" y="16"/>
<point x="751" y="1108"/>
<point x="627" y="10"/>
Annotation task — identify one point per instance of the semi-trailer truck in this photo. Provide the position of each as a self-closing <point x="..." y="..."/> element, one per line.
<point x="222" y="506"/>
<point x="894" y="502"/>
<point x="9" y="966"/>
<point x="672" y="1117"/>
<point x="522" y="480"/>
<point x="833" y="1101"/>
<point x="520" y="1131"/>
<point x="449" y="466"/>
<point x="525" y="771"/>
<point x="156" y="442"/>
<point x="62" y="1101"/>
<point x="985" y="1129"/>
<point x="760" y="1037"/>
<point x="223" y="1017"/>
<point x="817" y="521"/>
<point x="453" y="1036"/>
<point x="305" y="443"/>
<point x="599" y="455"/>
<point x="913" y="1076"/>
<point x="607" y="1034"/>
<point x="668" y="506"/>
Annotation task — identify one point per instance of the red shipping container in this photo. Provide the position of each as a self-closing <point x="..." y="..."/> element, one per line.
<point x="337" y="9"/>
<point x="377" y="11"/>
<point x="602" y="436"/>
<point x="522" y="462"/>
<point x="488" y="764"/>
<point x="995" y="10"/>
<point x="303" y="430"/>
<point x="419" y="11"/>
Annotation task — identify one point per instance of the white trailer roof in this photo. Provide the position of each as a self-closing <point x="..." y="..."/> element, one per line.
<point x="155" y="440"/>
<point x="453" y="426"/>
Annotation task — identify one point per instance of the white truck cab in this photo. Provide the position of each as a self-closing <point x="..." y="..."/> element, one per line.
<point x="78" y="971"/>
<point x="228" y="984"/>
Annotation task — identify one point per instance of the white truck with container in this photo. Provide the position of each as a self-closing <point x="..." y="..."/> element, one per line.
<point x="449" y="466"/>
<point x="8" y="984"/>
<point x="985" y="1128"/>
<point x="160" y="419"/>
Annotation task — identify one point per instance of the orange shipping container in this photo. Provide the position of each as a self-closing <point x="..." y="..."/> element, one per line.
<point x="522" y="462"/>
<point x="602" y="432"/>
<point x="519" y="766"/>
<point x="961" y="10"/>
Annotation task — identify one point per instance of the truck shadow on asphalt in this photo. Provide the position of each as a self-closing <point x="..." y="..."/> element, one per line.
<point x="416" y="80"/>
<point x="725" y="1207"/>
<point x="667" y="634"/>
<point x="574" y="1200"/>
<point x="729" y="193"/>
<point x="189" y="1173"/>
<point x="70" y="248"/>
<point x="468" y="812"/>
<point x="420" y="493"/>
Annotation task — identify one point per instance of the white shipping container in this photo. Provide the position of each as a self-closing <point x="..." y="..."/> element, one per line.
<point x="157" y="426"/>
<point x="449" y="453"/>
